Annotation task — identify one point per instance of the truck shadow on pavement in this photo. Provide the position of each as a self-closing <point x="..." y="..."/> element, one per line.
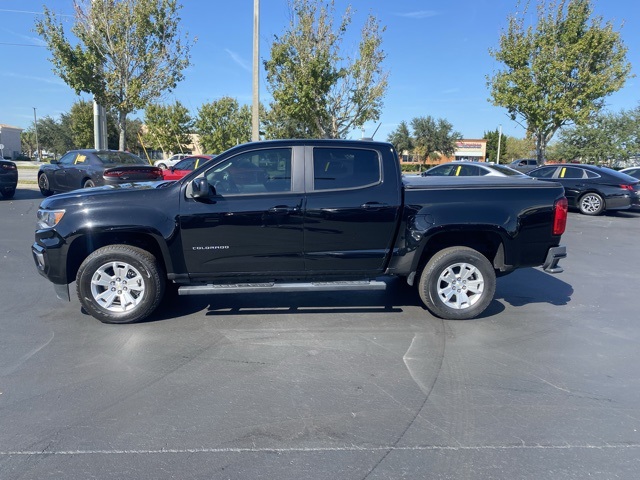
<point x="521" y="287"/>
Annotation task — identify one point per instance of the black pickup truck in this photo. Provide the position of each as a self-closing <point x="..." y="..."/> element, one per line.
<point x="297" y="215"/>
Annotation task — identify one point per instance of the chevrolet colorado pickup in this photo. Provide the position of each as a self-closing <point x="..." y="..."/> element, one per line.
<point x="297" y="215"/>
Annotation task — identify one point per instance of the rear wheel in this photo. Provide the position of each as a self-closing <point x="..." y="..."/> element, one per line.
<point x="8" y="193"/>
<point x="161" y="165"/>
<point x="43" y="185"/>
<point x="88" y="183"/>
<point x="120" y="284"/>
<point x="591" y="204"/>
<point x="457" y="283"/>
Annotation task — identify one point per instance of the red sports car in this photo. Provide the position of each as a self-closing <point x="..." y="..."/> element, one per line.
<point x="185" y="166"/>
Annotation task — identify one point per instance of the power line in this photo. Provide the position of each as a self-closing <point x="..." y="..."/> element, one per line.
<point x="22" y="45"/>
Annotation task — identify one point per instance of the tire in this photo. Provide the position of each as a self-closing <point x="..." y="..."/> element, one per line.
<point x="8" y="193"/>
<point x="162" y="166"/>
<point x="104" y="284"/>
<point x="591" y="203"/>
<point x="443" y="294"/>
<point x="43" y="185"/>
<point x="88" y="183"/>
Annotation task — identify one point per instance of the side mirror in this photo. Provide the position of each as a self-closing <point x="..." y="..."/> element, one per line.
<point x="53" y="161"/>
<point x="200" y="189"/>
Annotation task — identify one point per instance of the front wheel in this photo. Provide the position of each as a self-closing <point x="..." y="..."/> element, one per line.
<point x="591" y="204"/>
<point x="43" y="185"/>
<point x="120" y="284"/>
<point x="457" y="283"/>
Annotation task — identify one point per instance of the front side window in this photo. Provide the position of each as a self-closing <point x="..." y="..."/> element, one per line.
<point x="336" y="168"/>
<point x="258" y="171"/>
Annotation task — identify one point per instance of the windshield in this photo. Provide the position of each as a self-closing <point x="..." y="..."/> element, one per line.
<point x="507" y="170"/>
<point x="120" y="158"/>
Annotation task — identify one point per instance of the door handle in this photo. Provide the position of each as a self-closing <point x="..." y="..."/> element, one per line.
<point x="283" y="209"/>
<point x="373" y="205"/>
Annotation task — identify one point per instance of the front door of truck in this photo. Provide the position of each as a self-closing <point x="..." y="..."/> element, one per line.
<point x="253" y="225"/>
<point x="351" y="211"/>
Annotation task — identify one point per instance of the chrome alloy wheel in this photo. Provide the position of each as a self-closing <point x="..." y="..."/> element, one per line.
<point x="117" y="287"/>
<point x="460" y="286"/>
<point x="591" y="203"/>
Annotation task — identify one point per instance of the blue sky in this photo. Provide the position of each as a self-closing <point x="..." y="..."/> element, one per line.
<point x="437" y="57"/>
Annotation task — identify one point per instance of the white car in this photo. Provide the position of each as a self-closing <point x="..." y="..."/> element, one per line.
<point x="471" y="169"/>
<point x="171" y="161"/>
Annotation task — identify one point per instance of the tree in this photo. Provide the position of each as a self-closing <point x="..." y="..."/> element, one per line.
<point x="28" y="141"/>
<point x="517" y="148"/>
<point x="493" y="138"/>
<point x="128" y="53"/>
<point x="54" y="136"/>
<point x="401" y="138"/>
<point x="434" y="138"/>
<point x="559" y="73"/>
<point x="168" y="127"/>
<point x="222" y="124"/>
<point x="316" y="91"/>
<point x="607" y="137"/>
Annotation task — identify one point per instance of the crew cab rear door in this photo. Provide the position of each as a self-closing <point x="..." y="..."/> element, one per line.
<point x="352" y="210"/>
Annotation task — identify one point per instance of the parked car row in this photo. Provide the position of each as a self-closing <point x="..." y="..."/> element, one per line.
<point x="8" y="178"/>
<point x="589" y="188"/>
<point x="92" y="168"/>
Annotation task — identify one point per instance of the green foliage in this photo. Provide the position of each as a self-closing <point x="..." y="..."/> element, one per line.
<point x="128" y="52"/>
<point x="401" y="139"/>
<point x="168" y="127"/>
<point x="518" y="148"/>
<point x="492" y="139"/>
<point x="28" y="141"/>
<point x="222" y="124"/>
<point x="607" y="137"/>
<point x="429" y="140"/>
<point x="54" y="136"/>
<point x="317" y="92"/>
<point x="434" y="138"/>
<point x="559" y="72"/>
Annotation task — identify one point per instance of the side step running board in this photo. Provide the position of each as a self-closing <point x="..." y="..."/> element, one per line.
<point x="281" y="287"/>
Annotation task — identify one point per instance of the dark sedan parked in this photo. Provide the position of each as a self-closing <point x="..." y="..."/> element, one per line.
<point x="8" y="178"/>
<point x="91" y="168"/>
<point x="592" y="189"/>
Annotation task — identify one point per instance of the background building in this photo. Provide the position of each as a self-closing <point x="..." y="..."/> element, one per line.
<point x="10" y="138"/>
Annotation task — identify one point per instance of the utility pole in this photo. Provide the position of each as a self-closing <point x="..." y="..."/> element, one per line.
<point x="255" y="110"/>
<point x="499" y="138"/>
<point x="35" y="124"/>
<point x="99" y="127"/>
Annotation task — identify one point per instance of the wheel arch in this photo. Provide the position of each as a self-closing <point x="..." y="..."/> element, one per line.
<point x="488" y="243"/>
<point x="82" y="246"/>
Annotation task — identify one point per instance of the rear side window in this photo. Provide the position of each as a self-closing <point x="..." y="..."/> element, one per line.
<point x="335" y="168"/>
<point x="545" y="172"/>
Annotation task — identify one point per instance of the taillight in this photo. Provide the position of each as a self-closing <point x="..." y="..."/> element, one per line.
<point x="627" y="187"/>
<point x="8" y="166"/>
<point x="560" y="209"/>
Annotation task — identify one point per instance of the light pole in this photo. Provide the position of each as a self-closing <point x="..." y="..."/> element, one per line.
<point x="35" y="124"/>
<point x="255" y="110"/>
<point x="499" y="138"/>
<point x="1" y="146"/>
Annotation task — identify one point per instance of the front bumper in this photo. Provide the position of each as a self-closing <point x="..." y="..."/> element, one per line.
<point x="554" y="255"/>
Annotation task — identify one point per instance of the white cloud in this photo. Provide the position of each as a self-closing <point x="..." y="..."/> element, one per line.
<point x="240" y="61"/>
<point x="419" y="14"/>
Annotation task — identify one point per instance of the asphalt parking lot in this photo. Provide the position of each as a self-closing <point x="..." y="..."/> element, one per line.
<point x="544" y="385"/>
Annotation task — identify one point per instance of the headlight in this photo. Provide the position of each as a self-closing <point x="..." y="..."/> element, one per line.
<point x="49" y="218"/>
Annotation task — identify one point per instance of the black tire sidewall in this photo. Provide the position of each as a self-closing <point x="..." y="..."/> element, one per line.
<point x="140" y="259"/>
<point x="46" y="190"/>
<point x="428" y="286"/>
